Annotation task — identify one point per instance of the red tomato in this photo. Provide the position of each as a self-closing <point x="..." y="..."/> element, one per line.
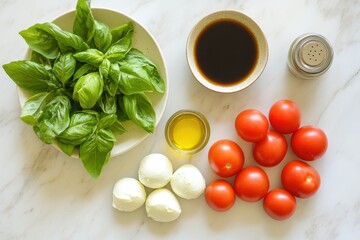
<point x="309" y="143"/>
<point x="251" y="125"/>
<point x="251" y="184"/>
<point x="271" y="150"/>
<point x="300" y="179"/>
<point x="279" y="204"/>
<point x="220" y="195"/>
<point x="284" y="116"/>
<point x="226" y="158"/>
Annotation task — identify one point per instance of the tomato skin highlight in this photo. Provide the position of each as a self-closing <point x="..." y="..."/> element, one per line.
<point x="284" y="116"/>
<point x="251" y="184"/>
<point x="271" y="150"/>
<point x="300" y="179"/>
<point x="279" y="204"/>
<point x="251" y="125"/>
<point x="309" y="143"/>
<point x="220" y="195"/>
<point x="226" y="158"/>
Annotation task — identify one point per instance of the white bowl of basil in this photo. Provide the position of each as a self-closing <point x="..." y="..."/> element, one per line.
<point x="94" y="83"/>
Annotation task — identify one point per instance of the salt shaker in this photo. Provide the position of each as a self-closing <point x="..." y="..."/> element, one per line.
<point x="310" y="56"/>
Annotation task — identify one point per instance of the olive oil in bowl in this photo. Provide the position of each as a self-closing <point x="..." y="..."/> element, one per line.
<point x="187" y="131"/>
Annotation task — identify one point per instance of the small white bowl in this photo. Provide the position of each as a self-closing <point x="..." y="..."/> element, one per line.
<point x="258" y="35"/>
<point x="142" y="40"/>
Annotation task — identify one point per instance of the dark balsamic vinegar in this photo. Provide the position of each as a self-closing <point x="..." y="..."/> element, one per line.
<point x="226" y="52"/>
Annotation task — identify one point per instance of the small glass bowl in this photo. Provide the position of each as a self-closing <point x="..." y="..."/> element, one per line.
<point x="187" y="131"/>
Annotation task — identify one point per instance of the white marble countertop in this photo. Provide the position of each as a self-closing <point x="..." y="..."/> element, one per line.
<point x="47" y="195"/>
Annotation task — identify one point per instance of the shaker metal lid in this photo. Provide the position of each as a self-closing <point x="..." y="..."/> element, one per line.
<point x="312" y="54"/>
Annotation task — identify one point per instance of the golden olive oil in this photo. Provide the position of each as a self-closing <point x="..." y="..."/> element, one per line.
<point x="187" y="132"/>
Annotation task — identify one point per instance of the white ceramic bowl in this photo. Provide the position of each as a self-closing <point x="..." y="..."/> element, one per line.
<point x="142" y="40"/>
<point x="243" y="20"/>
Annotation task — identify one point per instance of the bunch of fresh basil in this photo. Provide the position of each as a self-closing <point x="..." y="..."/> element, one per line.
<point x="84" y="85"/>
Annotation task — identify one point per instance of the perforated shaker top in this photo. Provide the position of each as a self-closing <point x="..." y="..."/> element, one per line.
<point x="312" y="54"/>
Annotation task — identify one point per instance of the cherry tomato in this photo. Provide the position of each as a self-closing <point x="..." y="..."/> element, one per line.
<point x="251" y="184"/>
<point x="279" y="204"/>
<point x="309" y="143"/>
<point x="271" y="150"/>
<point x="226" y="158"/>
<point x="251" y="125"/>
<point x="300" y="179"/>
<point x="220" y="195"/>
<point x="284" y="116"/>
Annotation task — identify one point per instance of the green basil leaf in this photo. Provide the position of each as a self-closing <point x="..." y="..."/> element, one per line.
<point x="117" y="128"/>
<point x="102" y="38"/>
<point x="42" y="42"/>
<point x="104" y="68"/>
<point x="68" y="149"/>
<point x="135" y="57"/>
<point x="33" y="107"/>
<point x="95" y="151"/>
<point x="120" y="112"/>
<point x="121" y="31"/>
<point x="107" y="120"/>
<point x="81" y="125"/>
<point x="90" y="56"/>
<point x="67" y="42"/>
<point x="64" y="68"/>
<point x="88" y="90"/>
<point x="30" y="76"/>
<point x="119" y="49"/>
<point x="54" y="120"/>
<point x="134" y="79"/>
<point x="84" y="25"/>
<point x="84" y="69"/>
<point x="140" y="110"/>
<point x="107" y="103"/>
<point x="40" y="59"/>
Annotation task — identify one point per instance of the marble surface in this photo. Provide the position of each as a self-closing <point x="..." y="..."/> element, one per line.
<point x="47" y="195"/>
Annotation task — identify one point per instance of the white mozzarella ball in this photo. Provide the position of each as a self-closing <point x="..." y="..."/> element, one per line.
<point x="128" y="194"/>
<point x="162" y="206"/>
<point x="188" y="182"/>
<point x="155" y="170"/>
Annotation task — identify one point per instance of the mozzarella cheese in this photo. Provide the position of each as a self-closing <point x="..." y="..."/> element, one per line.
<point x="188" y="182"/>
<point x="128" y="194"/>
<point x="155" y="170"/>
<point x="162" y="206"/>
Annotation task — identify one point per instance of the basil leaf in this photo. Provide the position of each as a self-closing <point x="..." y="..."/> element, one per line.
<point x="107" y="103"/>
<point x="67" y="42"/>
<point x="140" y="110"/>
<point x="112" y="83"/>
<point x="88" y="90"/>
<point x="54" y="120"/>
<point x="117" y="128"/>
<point x="64" y="68"/>
<point x="95" y="151"/>
<point x="84" y="69"/>
<point x="81" y="125"/>
<point x="121" y="31"/>
<point x="84" y="25"/>
<point x="104" y="68"/>
<point x="135" y="57"/>
<point x="68" y="149"/>
<point x="118" y="50"/>
<point x="42" y="42"/>
<point x="134" y="79"/>
<point x="120" y="112"/>
<point x="33" y="107"/>
<point x="102" y="37"/>
<point x="107" y="120"/>
<point x="90" y="56"/>
<point x="30" y="76"/>
<point x="40" y="59"/>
